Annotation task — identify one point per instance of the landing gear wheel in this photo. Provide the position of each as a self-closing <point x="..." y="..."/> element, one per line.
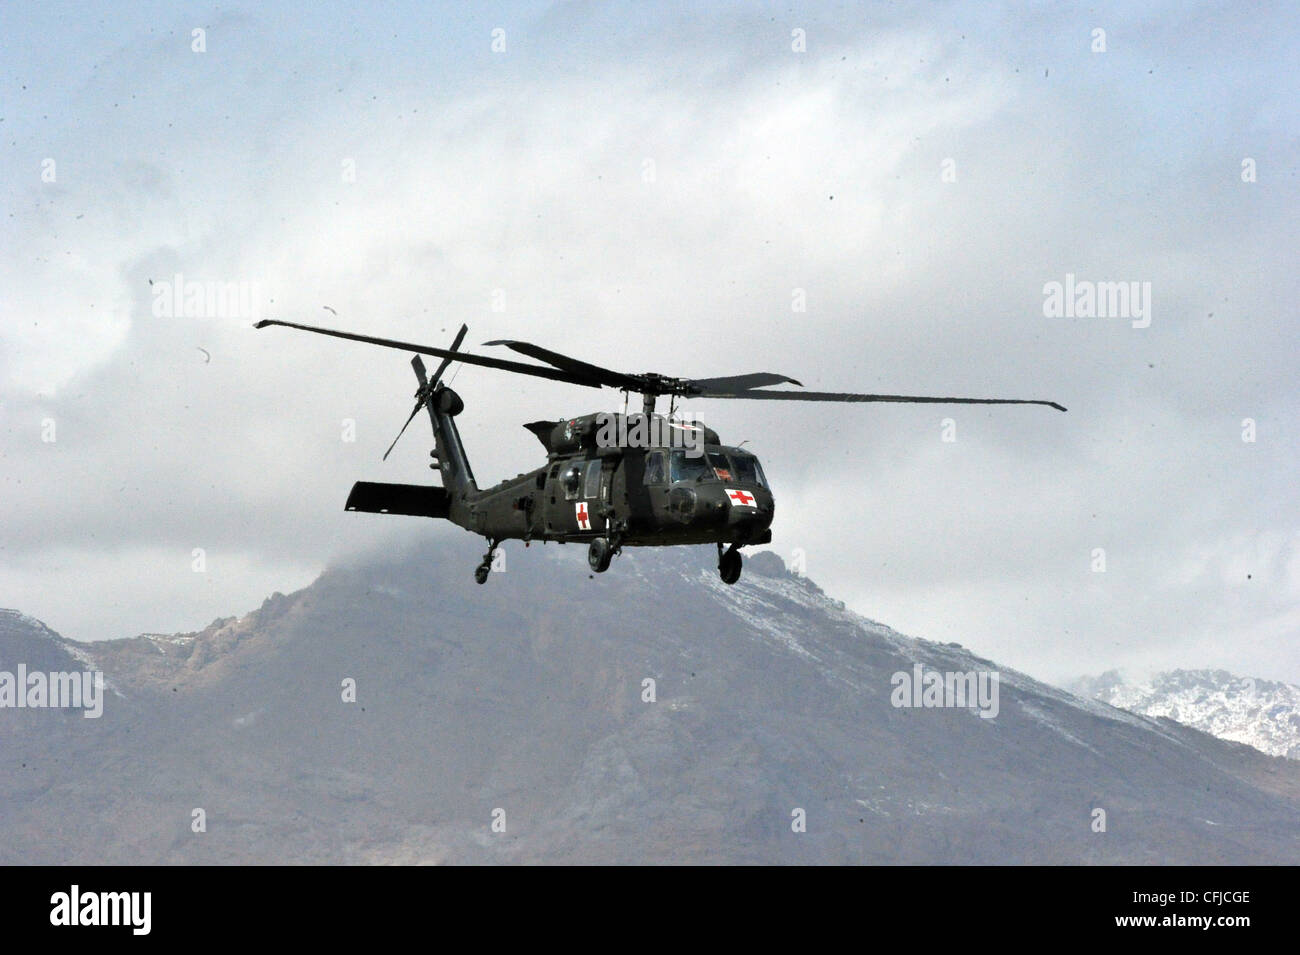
<point x="599" y="554"/>
<point x="729" y="565"/>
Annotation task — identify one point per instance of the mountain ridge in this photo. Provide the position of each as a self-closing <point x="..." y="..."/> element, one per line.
<point x="528" y="695"/>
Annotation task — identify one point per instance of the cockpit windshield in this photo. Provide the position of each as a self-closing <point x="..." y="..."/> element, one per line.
<point x="685" y="468"/>
<point x="748" y="470"/>
<point x="730" y="466"/>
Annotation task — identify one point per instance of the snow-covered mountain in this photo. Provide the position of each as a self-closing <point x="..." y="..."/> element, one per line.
<point x="1260" y="713"/>
<point x="649" y="714"/>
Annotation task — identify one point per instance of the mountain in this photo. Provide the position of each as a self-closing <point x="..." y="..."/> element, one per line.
<point x="1260" y="713"/>
<point x="527" y="695"/>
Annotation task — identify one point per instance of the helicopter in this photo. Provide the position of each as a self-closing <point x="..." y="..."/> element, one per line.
<point x="611" y="480"/>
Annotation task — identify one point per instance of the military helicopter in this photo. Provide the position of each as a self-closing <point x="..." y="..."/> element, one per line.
<point x="611" y="480"/>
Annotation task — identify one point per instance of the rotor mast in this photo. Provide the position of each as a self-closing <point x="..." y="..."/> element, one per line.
<point x="653" y="385"/>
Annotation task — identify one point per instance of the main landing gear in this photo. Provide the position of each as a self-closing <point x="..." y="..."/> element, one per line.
<point x="600" y="552"/>
<point x="729" y="564"/>
<point x="482" y="570"/>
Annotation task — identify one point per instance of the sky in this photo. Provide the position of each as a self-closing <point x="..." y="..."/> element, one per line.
<point x="865" y="197"/>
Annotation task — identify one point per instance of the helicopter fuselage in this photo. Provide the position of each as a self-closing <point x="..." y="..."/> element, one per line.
<point x="594" y="487"/>
<point x="634" y="497"/>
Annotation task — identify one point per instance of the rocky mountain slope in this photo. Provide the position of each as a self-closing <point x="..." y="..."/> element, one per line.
<point x="525" y="702"/>
<point x="1260" y="713"/>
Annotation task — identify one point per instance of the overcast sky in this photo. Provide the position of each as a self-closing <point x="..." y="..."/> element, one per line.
<point x="656" y="190"/>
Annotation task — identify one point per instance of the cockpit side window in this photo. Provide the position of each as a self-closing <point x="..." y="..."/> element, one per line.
<point x="572" y="481"/>
<point x="593" y="479"/>
<point x="686" y="468"/>
<point x="654" y="468"/>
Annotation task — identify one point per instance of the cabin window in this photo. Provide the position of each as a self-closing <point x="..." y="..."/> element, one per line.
<point x="572" y="482"/>
<point x="687" y="468"/>
<point x="593" y="479"/>
<point x="654" y="468"/>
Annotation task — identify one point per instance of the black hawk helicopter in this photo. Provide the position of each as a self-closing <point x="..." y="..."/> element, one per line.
<point x="610" y="480"/>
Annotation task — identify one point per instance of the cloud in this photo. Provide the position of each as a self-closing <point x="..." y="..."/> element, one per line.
<point x="653" y="194"/>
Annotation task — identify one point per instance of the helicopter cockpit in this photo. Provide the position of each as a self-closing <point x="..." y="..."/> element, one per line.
<point x="729" y="465"/>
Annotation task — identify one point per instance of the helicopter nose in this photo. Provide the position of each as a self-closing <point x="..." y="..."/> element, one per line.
<point x="750" y="513"/>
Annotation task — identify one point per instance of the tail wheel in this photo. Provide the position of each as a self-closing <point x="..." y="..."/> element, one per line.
<point x="729" y="565"/>
<point x="481" y="574"/>
<point x="599" y="554"/>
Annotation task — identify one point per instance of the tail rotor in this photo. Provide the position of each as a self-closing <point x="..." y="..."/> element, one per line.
<point x="427" y="385"/>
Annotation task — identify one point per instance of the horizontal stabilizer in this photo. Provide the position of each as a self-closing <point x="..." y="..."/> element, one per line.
<point x="414" y="500"/>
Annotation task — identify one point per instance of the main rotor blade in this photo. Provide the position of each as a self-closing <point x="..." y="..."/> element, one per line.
<point x="460" y="337"/>
<point x="734" y="384"/>
<point x="498" y="363"/>
<point x="840" y="396"/>
<point x="605" y="376"/>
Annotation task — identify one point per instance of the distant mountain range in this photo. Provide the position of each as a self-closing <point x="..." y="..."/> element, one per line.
<point x="649" y="714"/>
<point x="1259" y="713"/>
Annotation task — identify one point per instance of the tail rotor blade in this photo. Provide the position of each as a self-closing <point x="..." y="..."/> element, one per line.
<point x="427" y="384"/>
<point x="460" y="337"/>
<point x="414" y="411"/>
<point x="421" y="394"/>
